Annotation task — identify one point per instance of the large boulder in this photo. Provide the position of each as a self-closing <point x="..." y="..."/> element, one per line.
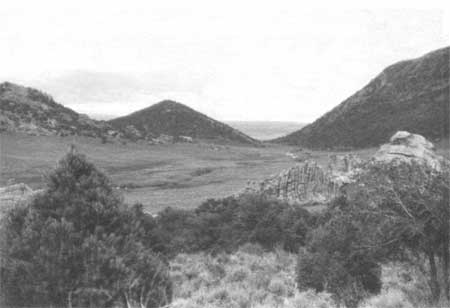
<point x="406" y="147"/>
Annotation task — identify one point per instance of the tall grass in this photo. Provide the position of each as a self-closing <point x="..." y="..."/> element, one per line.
<point x="255" y="278"/>
<point x="248" y="278"/>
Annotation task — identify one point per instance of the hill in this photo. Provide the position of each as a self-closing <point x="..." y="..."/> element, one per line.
<point x="175" y="120"/>
<point x="31" y="111"/>
<point x="410" y="95"/>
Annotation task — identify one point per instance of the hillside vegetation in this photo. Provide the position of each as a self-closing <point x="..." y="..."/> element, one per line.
<point x="34" y="112"/>
<point x="410" y="95"/>
<point x="176" y="120"/>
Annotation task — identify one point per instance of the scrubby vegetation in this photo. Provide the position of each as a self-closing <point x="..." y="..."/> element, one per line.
<point x="383" y="243"/>
<point x="224" y="225"/>
<point x="391" y="213"/>
<point x="78" y="245"/>
<point x="254" y="277"/>
<point x="250" y="277"/>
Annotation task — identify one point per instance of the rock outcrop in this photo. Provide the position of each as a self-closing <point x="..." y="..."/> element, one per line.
<point x="309" y="182"/>
<point x="407" y="147"/>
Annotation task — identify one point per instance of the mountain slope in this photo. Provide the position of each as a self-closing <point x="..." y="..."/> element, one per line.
<point x="175" y="119"/>
<point x="31" y="111"/>
<point x="410" y="95"/>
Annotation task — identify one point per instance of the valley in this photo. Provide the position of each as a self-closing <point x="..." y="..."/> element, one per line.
<point x="197" y="155"/>
<point x="180" y="175"/>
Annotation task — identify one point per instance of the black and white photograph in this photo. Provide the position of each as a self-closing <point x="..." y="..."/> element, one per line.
<point x="224" y="154"/>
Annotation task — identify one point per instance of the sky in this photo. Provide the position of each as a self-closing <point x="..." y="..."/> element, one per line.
<point x="246" y="61"/>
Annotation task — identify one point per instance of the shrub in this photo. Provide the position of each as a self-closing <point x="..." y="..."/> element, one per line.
<point x="78" y="244"/>
<point x="226" y="224"/>
<point x="390" y="212"/>
<point x="333" y="262"/>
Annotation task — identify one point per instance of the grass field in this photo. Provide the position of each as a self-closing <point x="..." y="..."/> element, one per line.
<point x="177" y="175"/>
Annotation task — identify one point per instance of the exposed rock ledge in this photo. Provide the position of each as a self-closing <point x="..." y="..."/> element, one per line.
<point x="309" y="182"/>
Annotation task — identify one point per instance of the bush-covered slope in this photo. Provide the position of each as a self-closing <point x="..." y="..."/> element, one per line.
<point x="31" y="111"/>
<point x="410" y="95"/>
<point x="175" y="119"/>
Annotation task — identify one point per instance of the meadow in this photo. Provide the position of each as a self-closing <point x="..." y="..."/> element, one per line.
<point x="179" y="175"/>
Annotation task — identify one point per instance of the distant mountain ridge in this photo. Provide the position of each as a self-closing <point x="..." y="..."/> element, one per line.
<point x="31" y="111"/>
<point x="410" y="95"/>
<point x="177" y="120"/>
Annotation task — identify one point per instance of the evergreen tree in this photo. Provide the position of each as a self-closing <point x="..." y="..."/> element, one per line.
<point x="78" y="244"/>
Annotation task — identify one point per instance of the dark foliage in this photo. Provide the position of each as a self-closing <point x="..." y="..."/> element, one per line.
<point x="390" y="213"/>
<point x="228" y="223"/>
<point x="77" y="244"/>
<point x="334" y="260"/>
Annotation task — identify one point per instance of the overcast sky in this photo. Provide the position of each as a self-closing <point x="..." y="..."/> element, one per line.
<point x="231" y="61"/>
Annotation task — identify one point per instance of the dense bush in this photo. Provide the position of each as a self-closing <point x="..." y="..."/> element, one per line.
<point x="390" y="213"/>
<point x="333" y="261"/>
<point x="228" y="223"/>
<point x="77" y="244"/>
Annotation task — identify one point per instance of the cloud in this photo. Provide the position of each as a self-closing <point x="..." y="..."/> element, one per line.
<point x="230" y="61"/>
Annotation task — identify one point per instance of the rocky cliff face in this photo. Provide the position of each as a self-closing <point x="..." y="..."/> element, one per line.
<point x="310" y="182"/>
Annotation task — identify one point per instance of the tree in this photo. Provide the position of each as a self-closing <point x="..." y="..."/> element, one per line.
<point x="411" y="203"/>
<point x="77" y="243"/>
<point x="390" y="212"/>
